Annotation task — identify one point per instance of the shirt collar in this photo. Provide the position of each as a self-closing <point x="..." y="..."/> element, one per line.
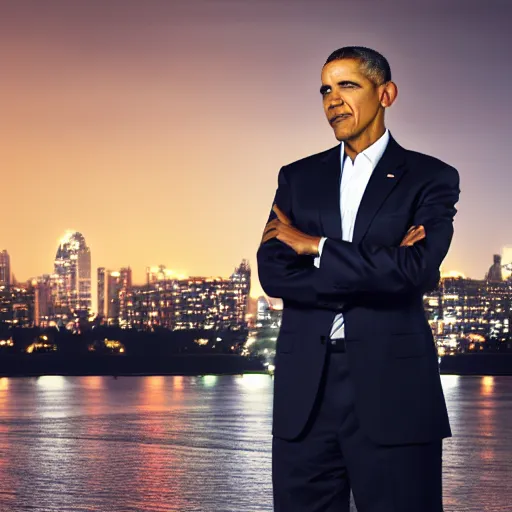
<point x="374" y="152"/>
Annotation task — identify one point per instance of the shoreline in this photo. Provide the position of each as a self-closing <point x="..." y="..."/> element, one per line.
<point x="81" y="365"/>
<point x="492" y="364"/>
<point x="21" y="365"/>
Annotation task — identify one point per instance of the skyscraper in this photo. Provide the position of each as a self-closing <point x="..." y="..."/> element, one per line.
<point x="5" y="268"/>
<point x="125" y="285"/>
<point x="241" y="279"/>
<point x="43" y="300"/>
<point x="73" y="271"/>
<point x="108" y="294"/>
<point x="113" y="288"/>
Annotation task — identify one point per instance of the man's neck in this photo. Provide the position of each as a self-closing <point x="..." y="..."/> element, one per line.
<point x="365" y="140"/>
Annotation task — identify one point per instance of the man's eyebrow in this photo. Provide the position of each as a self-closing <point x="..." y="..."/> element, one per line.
<point x="324" y="87"/>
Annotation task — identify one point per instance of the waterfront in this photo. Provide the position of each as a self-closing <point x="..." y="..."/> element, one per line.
<point x="202" y="444"/>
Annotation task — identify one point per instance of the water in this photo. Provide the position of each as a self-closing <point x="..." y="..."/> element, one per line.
<point x="202" y="444"/>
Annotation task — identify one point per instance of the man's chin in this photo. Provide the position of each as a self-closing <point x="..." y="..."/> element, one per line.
<point x="346" y="135"/>
<point x="342" y="136"/>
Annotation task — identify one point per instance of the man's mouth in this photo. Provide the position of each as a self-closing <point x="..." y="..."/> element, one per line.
<point x="338" y="118"/>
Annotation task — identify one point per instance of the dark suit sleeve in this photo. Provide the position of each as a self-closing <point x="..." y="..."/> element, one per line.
<point x="282" y="272"/>
<point x="349" y="269"/>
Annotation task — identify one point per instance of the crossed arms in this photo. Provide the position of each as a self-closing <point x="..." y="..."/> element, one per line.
<point x="348" y="270"/>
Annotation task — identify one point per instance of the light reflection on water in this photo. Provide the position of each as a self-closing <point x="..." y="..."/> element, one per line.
<point x="202" y="444"/>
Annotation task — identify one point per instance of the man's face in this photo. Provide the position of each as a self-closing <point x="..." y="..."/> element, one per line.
<point x="347" y="92"/>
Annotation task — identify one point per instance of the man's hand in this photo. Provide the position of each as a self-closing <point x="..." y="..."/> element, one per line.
<point x="414" y="234"/>
<point x="282" y="229"/>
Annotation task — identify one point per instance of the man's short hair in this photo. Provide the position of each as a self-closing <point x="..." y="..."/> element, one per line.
<point x="374" y="65"/>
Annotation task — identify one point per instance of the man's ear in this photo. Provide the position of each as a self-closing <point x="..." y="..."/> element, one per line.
<point x="388" y="94"/>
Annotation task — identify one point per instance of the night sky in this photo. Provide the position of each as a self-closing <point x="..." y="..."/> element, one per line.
<point x="157" y="128"/>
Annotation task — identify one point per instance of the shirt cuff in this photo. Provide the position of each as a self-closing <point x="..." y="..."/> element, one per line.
<point x="320" y="247"/>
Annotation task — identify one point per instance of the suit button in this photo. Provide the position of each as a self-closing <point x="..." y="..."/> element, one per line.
<point x="322" y="340"/>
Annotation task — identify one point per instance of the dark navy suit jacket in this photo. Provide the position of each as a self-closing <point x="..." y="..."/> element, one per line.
<point x="377" y="284"/>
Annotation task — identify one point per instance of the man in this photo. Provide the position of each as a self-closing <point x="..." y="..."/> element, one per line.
<point x="355" y="238"/>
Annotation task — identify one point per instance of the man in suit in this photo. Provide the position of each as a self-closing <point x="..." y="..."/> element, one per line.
<point x="355" y="237"/>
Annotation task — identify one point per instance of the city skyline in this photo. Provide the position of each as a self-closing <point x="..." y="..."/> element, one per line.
<point x="167" y="300"/>
<point x="158" y="130"/>
<point x="505" y="254"/>
<point x="63" y="261"/>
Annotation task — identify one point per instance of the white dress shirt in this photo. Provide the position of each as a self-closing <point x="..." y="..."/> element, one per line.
<point x="354" y="178"/>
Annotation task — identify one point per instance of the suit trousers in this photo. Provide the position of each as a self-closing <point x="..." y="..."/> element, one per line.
<point x="316" y="471"/>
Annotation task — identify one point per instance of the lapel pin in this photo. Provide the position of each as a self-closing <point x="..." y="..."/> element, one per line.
<point x="390" y="176"/>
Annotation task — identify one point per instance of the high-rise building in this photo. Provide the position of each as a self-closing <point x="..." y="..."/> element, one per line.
<point x="108" y="294"/>
<point x="5" y="268"/>
<point x="125" y="285"/>
<point x="17" y="305"/>
<point x="495" y="271"/>
<point x="73" y="271"/>
<point x="190" y="303"/>
<point x="43" y="300"/>
<point x="241" y="280"/>
<point x="466" y="307"/>
<point x="113" y="288"/>
<point x="102" y="273"/>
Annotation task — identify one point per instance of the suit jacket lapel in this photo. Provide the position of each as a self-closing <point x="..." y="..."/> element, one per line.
<point x="328" y="191"/>
<point x="378" y="188"/>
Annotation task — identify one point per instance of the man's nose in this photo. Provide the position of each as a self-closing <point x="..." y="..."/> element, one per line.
<point x="336" y="101"/>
